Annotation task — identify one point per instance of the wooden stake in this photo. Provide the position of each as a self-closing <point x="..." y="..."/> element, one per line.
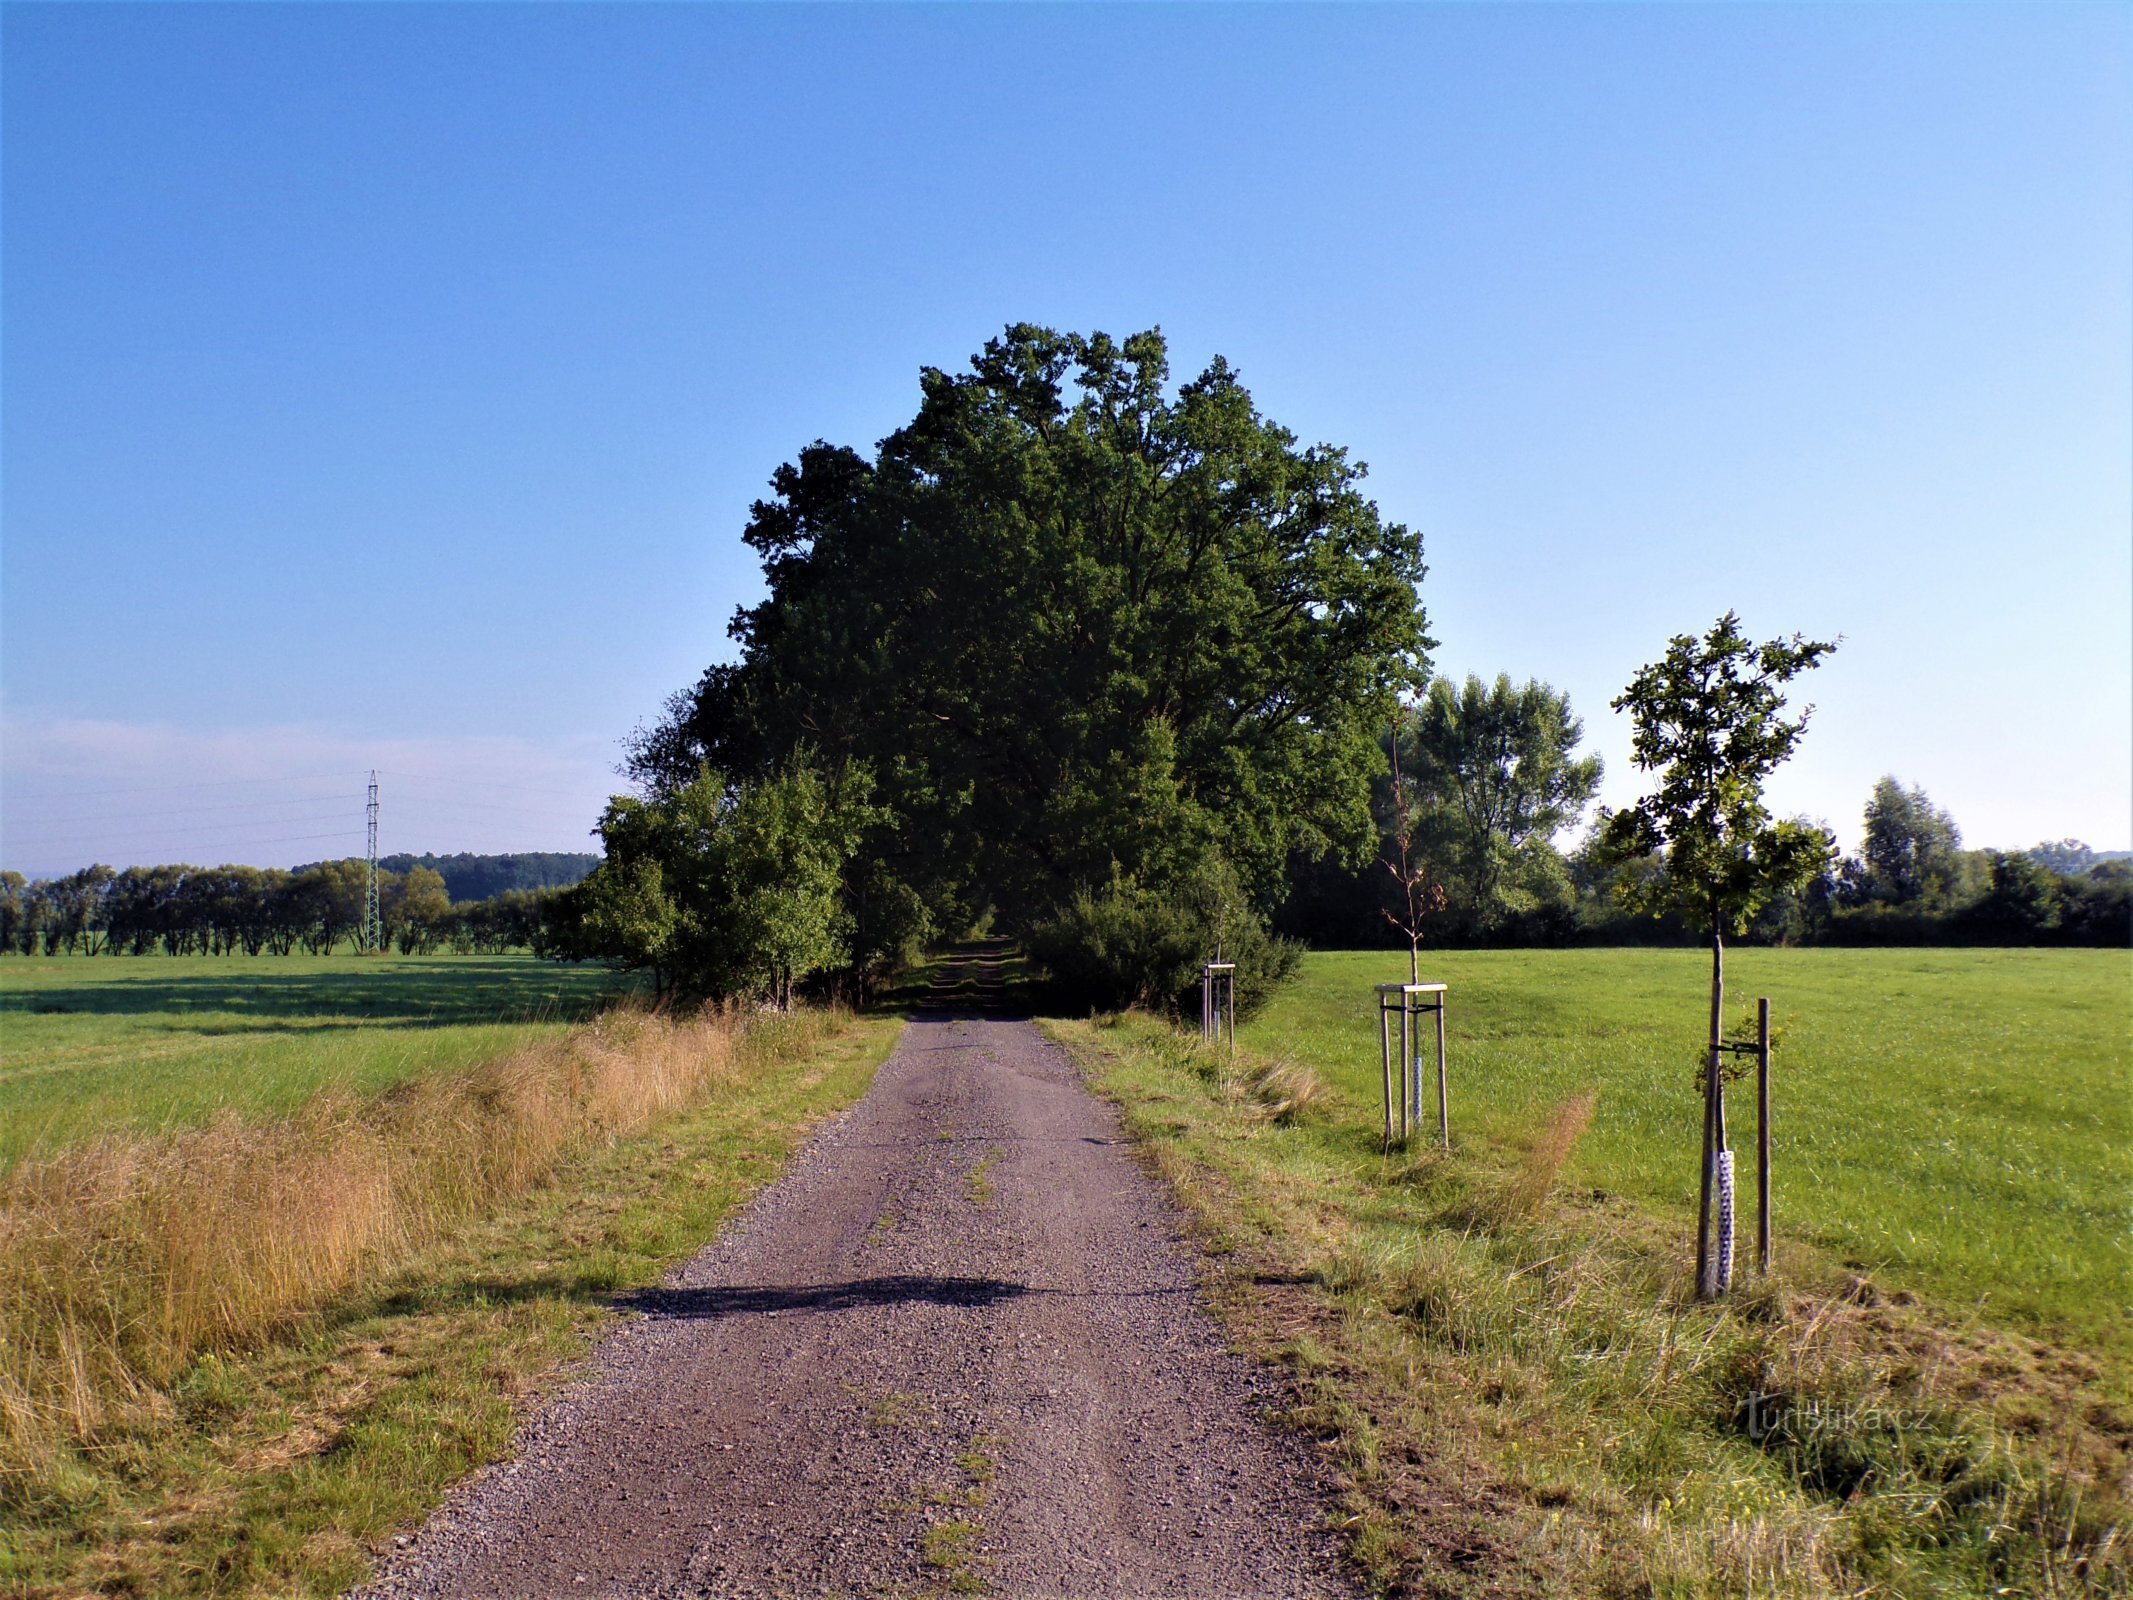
<point x="1762" y="1136"/>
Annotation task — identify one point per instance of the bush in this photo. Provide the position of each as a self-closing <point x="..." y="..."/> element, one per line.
<point x="1127" y="944"/>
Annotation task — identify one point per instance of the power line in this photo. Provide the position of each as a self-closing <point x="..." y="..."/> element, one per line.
<point x="234" y="844"/>
<point x="182" y="811"/>
<point x="427" y="802"/>
<point x="75" y="834"/>
<point x="484" y="783"/>
<point x="215" y="783"/>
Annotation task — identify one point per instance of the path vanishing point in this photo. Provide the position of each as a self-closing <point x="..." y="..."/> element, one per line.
<point x="956" y="1349"/>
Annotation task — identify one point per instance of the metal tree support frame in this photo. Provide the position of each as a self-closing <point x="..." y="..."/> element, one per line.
<point x="1718" y="1161"/>
<point x="1218" y="1002"/>
<point x="1410" y="1002"/>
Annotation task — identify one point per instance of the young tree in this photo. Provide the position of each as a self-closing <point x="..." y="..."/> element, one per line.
<point x="719" y="889"/>
<point x="1420" y="897"/>
<point x="1709" y="718"/>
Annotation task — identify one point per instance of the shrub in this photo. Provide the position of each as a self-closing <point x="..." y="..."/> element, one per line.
<point x="1127" y="944"/>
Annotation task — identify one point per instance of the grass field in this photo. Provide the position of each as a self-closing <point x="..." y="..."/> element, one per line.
<point x="1958" y="1122"/>
<point x="94" y="1044"/>
<point x="1498" y="1349"/>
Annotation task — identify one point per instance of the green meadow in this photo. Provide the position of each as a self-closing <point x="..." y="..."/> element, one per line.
<point x="1959" y="1122"/>
<point x="94" y="1044"/>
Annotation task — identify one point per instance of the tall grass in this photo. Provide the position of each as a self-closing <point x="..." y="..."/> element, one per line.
<point x="124" y="1259"/>
<point x="1522" y="1397"/>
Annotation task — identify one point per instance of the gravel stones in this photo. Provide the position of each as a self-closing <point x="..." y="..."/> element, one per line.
<point x="956" y="1348"/>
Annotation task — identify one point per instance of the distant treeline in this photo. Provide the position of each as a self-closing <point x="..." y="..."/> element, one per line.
<point x="471" y="877"/>
<point x="1911" y="883"/>
<point x="231" y="910"/>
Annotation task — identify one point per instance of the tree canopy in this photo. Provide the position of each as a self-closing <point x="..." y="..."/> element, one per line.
<point x="1708" y="718"/>
<point x="1910" y="849"/>
<point x="1080" y="627"/>
<point x="1496" y="778"/>
<point x="720" y="889"/>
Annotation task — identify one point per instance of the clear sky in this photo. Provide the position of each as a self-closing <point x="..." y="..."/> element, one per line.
<point x="386" y="386"/>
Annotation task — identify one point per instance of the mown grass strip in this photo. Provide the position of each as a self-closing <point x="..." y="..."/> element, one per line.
<point x="275" y="1464"/>
<point x="92" y="1045"/>
<point x="1521" y="1398"/>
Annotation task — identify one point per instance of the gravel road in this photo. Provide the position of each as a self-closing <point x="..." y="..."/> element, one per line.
<point x="956" y="1348"/>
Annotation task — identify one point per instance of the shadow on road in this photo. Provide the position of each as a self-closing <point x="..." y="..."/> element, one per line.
<point x="744" y="1300"/>
<point x="982" y="979"/>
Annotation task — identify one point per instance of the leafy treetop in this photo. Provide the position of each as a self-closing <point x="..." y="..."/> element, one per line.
<point x="1709" y="718"/>
<point x="1077" y="626"/>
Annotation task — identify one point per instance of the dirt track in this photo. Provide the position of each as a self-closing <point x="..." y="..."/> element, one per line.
<point x="957" y="1347"/>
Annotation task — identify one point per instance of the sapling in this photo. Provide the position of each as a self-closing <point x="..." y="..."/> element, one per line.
<point x="1709" y="718"/>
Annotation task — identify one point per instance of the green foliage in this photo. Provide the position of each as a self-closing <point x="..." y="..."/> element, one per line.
<point x="2070" y="858"/>
<point x="1126" y="944"/>
<point x="891" y="921"/>
<point x="1495" y="779"/>
<point x="2021" y="902"/>
<point x="2097" y="907"/>
<point x="1708" y="718"/>
<point x="1078" y="625"/>
<point x="471" y="877"/>
<point x="1911" y="851"/>
<point x="415" y="909"/>
<point x="721" y="890"/>
<point x="1487" y="777"/>
<point x="96" y="1044"/>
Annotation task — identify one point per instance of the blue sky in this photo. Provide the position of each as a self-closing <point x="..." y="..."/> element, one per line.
<point x="386" y="386"/>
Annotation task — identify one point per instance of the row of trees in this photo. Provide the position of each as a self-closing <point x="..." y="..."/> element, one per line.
<point x="1913" y="881"/>
<point x="232" y="910"/>
<point x="1126" y="669"/>
<point x="468" y="876"/>
<point x="1490" y="783"/>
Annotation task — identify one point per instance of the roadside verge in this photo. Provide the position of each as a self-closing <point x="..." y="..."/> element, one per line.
<point x="1520" y="1398"/>
<point x="271" y="1463"/>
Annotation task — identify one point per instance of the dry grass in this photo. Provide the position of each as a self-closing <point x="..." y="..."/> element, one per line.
<point x="124" y="1260"/>
<point x="1520" y="1194"/>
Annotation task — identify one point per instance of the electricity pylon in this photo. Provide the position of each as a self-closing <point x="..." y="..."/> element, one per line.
<point x="373" y="924"/>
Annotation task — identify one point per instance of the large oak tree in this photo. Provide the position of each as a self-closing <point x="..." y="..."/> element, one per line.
<point x="1077" y="625"/>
